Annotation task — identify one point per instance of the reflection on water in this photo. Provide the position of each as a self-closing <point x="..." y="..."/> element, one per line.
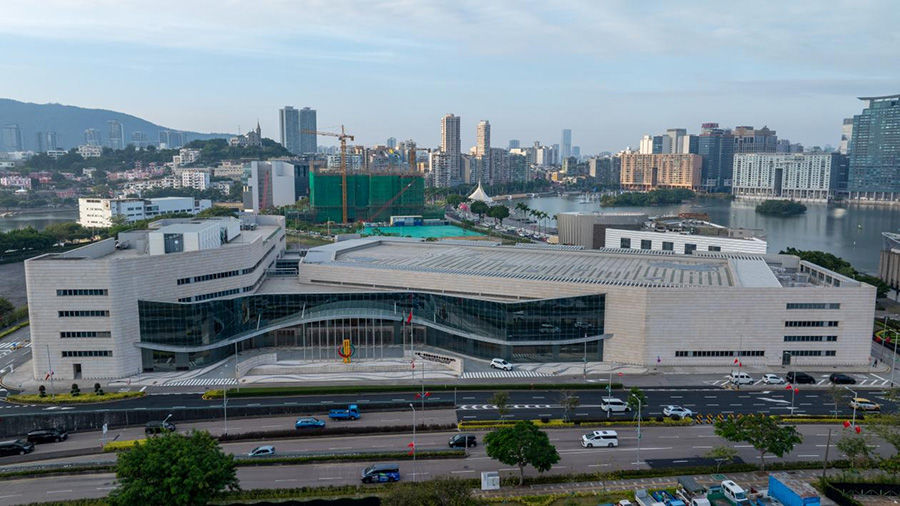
<point x="38" y="221"/>
<point x="853" y="233"/>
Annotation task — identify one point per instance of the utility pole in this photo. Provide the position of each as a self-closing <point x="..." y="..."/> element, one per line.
<point x="414" y="440"/>
<point x="50" y="366"/>
<point x="638" y="429"/>
<point x="827" y="447"/>
<point x="894" y="362"/>
<point x="225" y="407"/>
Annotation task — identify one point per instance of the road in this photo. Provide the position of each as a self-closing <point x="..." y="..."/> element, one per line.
<point x="659" y="445"/>
<point x="9" y="358"/>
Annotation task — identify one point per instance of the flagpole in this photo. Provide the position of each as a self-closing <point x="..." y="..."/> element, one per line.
<point x="50" y="366"/>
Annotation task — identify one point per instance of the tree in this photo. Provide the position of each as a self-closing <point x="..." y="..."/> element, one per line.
<point x="501" y="400"/>
<point x="499" y="213"/>
<point x="480" y="208"/>
<point x="838" y="395"/>
<point x="454" y="200"/>
<point x="856" y="449"/>
<point x="216" y="211"/>
<point x="569" y="402"/>
<point x="523" y="208"/>
<point x="762" y="432"/>
<point x="437" y="492"/>
<point x="174" y="469"/>
<point x="521" y="445"/>
<point x="722" y="454"/>
<point x="633" y="396"/>
<point x="5" y="306"/>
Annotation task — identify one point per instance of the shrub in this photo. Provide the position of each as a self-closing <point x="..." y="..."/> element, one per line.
<point x="42" y="391"/>
<point x="72" y="398"/>
<point x="75" y="390"/>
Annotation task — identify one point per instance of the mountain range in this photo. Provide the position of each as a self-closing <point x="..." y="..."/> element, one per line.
<point x="69" y="122"/>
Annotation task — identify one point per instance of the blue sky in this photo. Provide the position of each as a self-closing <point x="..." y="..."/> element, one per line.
<point x="610" y="71"/>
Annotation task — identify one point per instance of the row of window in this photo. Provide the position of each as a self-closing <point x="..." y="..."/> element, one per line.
<point x="83" y="313"/>
<point x="816" y="323"/>
<point x="225" y="274"/>
<point x="68" y="292"/>
<point x="713" y="353"/>
<point x="625" y="243"/>
<point x="207" y="296"/>
<point x="812" y="353"/>
<point x="87" y="353"/>
<point x="809" y="339"/>
<point x="84" y="333"/>
<point x="813" y="305"/>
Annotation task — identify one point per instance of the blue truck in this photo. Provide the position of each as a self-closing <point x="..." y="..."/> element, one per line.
<point x="666" y="498"/>
<point x="351" y="413"/>
<point x="791" y="491"/>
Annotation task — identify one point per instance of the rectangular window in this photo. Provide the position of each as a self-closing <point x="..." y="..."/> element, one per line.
<point x="87" y="353"/>
<point x="646" y="244"/>
<point x="173" y="243"/>
<point x="70" y="292"/>
<point x="83" y="313"/>
<point x="830" y="353"/>
<point x="714" y="248"/>
<point x="84" y="333"/>
<point x="689" y="249"/>
<point x="806" y="353"/>
<point x="681" y="353"/>
<point x="813" y="305"/>
<point x="668" y="246"/>
<point x="625" y="243"/>
<point x="809" y="339"/>
<point x="816" y="323"/>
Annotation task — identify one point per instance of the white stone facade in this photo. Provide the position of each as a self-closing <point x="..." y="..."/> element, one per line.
<point x="680" y="243"/>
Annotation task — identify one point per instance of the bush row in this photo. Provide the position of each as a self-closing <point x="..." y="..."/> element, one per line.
<point x="14" y="328"/>
<point x="351" y="389"/>
<point x="560" y="424"/>
<point x="73" y="399"/>
<point x="361" y="429"/>
<point x="351" y="457"/>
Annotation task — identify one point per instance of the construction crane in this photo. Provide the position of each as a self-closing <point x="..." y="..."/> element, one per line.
<point x="343" y="136"/>
<point x="387" y="204"/>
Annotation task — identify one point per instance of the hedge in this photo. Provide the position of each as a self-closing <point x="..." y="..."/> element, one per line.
<point x="354" y="429"/>
<point x="350" y="457"/>
<point x="836" y="494"/>
<point x="548" y="499"/>
<point x="559" y="424"/>
<point x="358" y="389"/>
<point x="127" y="444"/>
<point x="13" y="329"/>
<point x="85" y="398"/>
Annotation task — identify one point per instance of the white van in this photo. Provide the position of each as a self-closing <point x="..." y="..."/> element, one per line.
<point x="740" y="378"/>
<point x="600" y="438"/>
<point x="614" y="405"/>
<point x="734" y="493"/>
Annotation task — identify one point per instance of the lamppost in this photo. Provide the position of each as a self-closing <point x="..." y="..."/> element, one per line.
<point x="854" y="405"/>
<point x="638" y="428"/>
<point x="894" y="362"/>
<point x="793" y="390"/>
<point x="414" y="440"/>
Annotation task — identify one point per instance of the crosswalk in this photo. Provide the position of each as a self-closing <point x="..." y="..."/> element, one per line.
<point x="467" y="407"/>
<point x="202" y="382"/>
<point x="9" y="345"/>
<point x="872" y="380"/>
<point x="502" y="374"/>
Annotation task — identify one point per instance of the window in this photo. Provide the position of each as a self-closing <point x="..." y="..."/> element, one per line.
<point x="646" y="244"/>
<point x="681" y="353"/>
<point x="809" y="339"/>
<point x="689" y="249"/>
<point x="816" y="323"/>
<point x="83" y="313"/>
<point x="714" y="248"/>
<point x="173" y="243"/>
<point x="69" y="292"/>
<point x="806" y="353"/>
<point x="84" y="333"/>
<point x="830" y="353"/>
<point x="624" y="243"/>
<point x="87" y="353"/>
<point x="813" y="305"/>
<point x="668" y="246"/>
<point x="717" y="353"/>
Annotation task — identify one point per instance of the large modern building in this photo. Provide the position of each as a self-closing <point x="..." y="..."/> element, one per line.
<point x="268" y="184"/>
<point x="107" y="312"/>
<point x="643" y="172"/>
<point x="686" y="236"/>
<point x="716" y="146"/>
<point x="308" y="143"/>
<point x="875" y="150"/>
<point x="11" y="138"/>
<point x="889" y="260"/>
<point x="94" y="212"/>
<point x="797" y="176"/>
<point x="588" y="230"/>
<point x="565" y="144"/>
<point x="289" y="128"/>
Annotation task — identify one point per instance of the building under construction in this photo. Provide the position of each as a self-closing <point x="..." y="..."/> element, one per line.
<point x="370" y="197"/>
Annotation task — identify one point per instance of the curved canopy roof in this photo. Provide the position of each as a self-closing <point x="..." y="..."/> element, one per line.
<point x="480" y="195"/>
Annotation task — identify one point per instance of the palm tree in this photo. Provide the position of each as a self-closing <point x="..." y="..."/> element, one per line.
<point x="521" y="206"/>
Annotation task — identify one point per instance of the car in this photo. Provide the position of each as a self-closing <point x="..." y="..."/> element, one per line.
<point x="463" y="441"/>
<point x="740" y="378"/>
<point x="677" y="412"/>
<point x="16" y="447"/>
<point x="262" y="451"/>
<point x="47" y="435"/>
<point x="772" y="379"/>
<point x="380" y="473"/>
<point x="4" y="393"/>
<point x="309" y="422"/>
<point x="158" y="427"/>
<point x="864" y="404"/>
<point x="613" y="405"/>
<point x="799" y="378"/>
<point x="624" y="502"/>
<point x="499" y="363"/>
<point x="600" y="438"/>
<point x="841" y="379"/>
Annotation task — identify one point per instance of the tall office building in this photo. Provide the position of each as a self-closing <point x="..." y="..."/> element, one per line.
<point x="751" y="140"/>
<point x="92" y="137"/>
<point x="52" y="140"/>
<point x="391" y="142"/>
<point x="116" y="134"/>
<point x="483" y="138"/>
<point x="139" y="139"/>
<point x="646" y="145"/>
<point x="289" y="128"/>
<point x="674" y="140"/>
<point x="307" y="124"/>
<point x="846" y="135"/>
<point x="11" y="138"/>
<point x="451" y="145"/>
<point x="514" y="144"/>
<point x="576" y="152"/>
<point x="39" y="142"/>
<point x="565" y="145"/>
<point x="875" y="150"/>
<point x="716" y="146"/>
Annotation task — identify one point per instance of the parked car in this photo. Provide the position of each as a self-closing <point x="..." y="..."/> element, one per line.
<point x="351" y="413"/>
<point x="499" y="363"/>
<point x="864" y="404"/>
<point x="841" y="379"/>
<point x="772" y="379"/>
<point x="740" y="378"/>
<point x="309" y="422"/>
<point x="158" y="427"/>
<point x="47" y="435"/>
<point x="16" y="447"/>
<point x="262" y="451"/>
<point x="799" y="377"/>
<point x="677" y="412"/>
<point x="613" y="405"/>
<point x="380" y="473"/>
<point x="600" y="438"/>
<point x="463" y="441"/>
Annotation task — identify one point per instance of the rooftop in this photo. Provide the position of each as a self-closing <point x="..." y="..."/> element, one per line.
<point x="605" y="266"/>
<point x="693" y="226"/>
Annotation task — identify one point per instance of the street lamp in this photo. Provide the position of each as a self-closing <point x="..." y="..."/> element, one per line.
<point x="638" y="428"/>
<point x="793" y="390"/>
<point x="414" y="440"/>
<point x="894" y="362"/>
<point x="854" y="405"/>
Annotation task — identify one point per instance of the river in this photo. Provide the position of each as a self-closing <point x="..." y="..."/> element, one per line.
<point x="853" y="233"/>
<point x="37" y="220"/>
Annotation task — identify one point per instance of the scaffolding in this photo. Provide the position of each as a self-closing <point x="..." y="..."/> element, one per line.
<point x="372" y="197"/>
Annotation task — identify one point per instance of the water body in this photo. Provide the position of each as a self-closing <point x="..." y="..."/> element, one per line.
<point x="853" y="233"/>
<point x="37" y="221"/>
<point x="423" y="231"/>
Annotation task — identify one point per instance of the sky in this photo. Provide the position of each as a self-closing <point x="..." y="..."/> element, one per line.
<point x="611" y="71"/>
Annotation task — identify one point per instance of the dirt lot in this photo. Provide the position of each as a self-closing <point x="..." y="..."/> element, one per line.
<point x="12" y="282"/>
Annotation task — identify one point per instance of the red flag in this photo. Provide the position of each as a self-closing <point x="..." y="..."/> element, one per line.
<point x="858" y="429"/>
<point x="418" y="396"/>
<point x="740" y="364"/>
<point x="796" y="390"/>
<point x="427" y="394"/>
<point x="409" y="318"/>
<point x="735" y="361"/>
<point x="788" y="387"/>
<point x="846" y="423"/>
<point x="620" y="374"/>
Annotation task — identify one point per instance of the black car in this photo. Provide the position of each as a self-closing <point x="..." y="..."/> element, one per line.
<point x="841" y="379"/>
<point x="16" y="447"/>
<point x="47" y="435"/>
<point x="799" y="377"/>
<point x="158" y="427"/>
<point x="463" y="441"/>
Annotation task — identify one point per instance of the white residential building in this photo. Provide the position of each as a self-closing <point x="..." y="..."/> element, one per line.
<point x="196" y="179"/>
<point x="89" y="151"/>
<point x="100" y="212"/>
<point x="16" y="181"/>
<point x="799" y="176"/>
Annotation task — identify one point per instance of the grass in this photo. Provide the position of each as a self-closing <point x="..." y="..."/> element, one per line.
<point x="13" y="329"/>
<point x="85" y="398"/>
<point x="351" y="389"/>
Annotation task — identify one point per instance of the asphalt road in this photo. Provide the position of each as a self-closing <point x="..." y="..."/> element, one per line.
<point x="678" y="446"/>
<point x="12" y="359"/>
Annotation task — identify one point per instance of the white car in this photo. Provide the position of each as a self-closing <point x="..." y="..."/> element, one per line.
<point x="613" y="405"/>
<point x="262" y="451"/>
<point x="600" y="438"/>
<point x="677" y="411"/>
<point x="499" y="363"/>
<point x="773" y="379"/>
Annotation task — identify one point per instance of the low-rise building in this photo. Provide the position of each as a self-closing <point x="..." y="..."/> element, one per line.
<point x="196" y="179"/>
<point x="89" y="151"/>
<point x="588" y="230"/>
<point x="16" y="182"/>
<point x="686" y="236"/>
<point x="102" y="212"/>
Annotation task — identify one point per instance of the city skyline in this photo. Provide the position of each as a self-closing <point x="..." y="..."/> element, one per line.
<point x="728" y="68"/>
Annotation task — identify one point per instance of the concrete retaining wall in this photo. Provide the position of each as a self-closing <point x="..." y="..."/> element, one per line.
<point x="244" y="366"/>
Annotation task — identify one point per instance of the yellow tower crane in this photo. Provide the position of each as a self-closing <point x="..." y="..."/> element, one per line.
<point x="343" y="136"/>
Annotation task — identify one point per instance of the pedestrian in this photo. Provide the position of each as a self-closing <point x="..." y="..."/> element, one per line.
<point x="875" y="364"/>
